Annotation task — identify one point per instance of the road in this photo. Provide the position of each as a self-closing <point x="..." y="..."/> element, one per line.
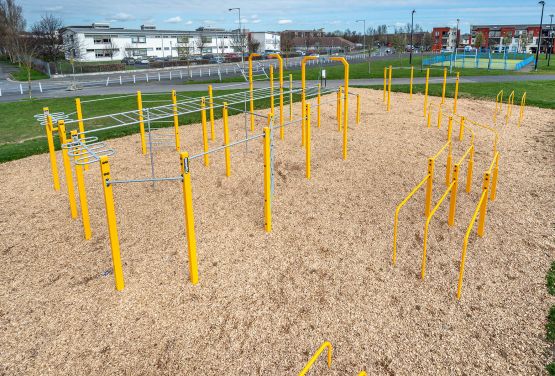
<point x="167" y="86"/>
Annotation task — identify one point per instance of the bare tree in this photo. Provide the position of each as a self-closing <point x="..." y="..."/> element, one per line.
<point x="48" y="38"/>
<point x="12" y="25"/>
<point x="239" y="40"/>
<point x="26" y="53"/>
<point x="109" y="48"/>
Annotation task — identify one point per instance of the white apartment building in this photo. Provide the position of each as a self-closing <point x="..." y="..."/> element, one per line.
<point x="267" y="41"/>
<point x="100" y="42"/>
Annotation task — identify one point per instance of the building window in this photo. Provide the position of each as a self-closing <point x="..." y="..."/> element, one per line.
<point x="158" y="48"/>
<point x="103" y="53"/>
<point x="166" y="48"/>
<point x="102" y="40"/>
<point x="184" y="39"/>
<point x="206" y="39"/>
<point x="138" y="39"/>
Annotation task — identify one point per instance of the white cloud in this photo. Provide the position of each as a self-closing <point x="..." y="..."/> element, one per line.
<point x="256" y="21"/>
<point x="175" y="19"/>
<point x="189" y="22"/>
<point x="283" y="22"/>
<point x="54" y="8"/>
<point x="122" y="17"/>
<point x="254" y="16"/>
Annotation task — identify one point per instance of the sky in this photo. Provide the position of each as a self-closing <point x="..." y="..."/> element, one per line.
<point x="289" y="14"/>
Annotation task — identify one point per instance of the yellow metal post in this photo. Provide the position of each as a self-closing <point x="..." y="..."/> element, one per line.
<point x="439" y="115"/>
<point x="303" y="95"/>
<point x="456" y="93"/>
<point x="204" y="131"/>
<point x="290" y="97"/>
<point x="346" y="104"/>
<point x="448" y="168"/>
<point x="453" y="198"/>
<point x="82" y="193"/>
<point x="429" y="187"/>
<point x="307" y="111"/>
<point x="469" y="171"/>
<point x="111" y="220"/>
<point x="318" y="103"/>
<point x="449" y="128"/>
<point x="325" y="345"/>
<point x="272" y="89"/>
<point x="389" y="89"/>
<point x="67" y="169"/>
<point x="411" y="79"/>
<point x="79" y="113"/>
<point x="175" y="121"/>
<point x="385" y="84"/>
<point x="358" y="109"/>
<point x="483" y="207"/>
<point x="141" y="121"/>
<point x="281" y="119"/>
<point x="522" y="105"/>
<point x="251" y="90"/>
<point x="189" y="217"/>
<point x="494" y="177"/>
<point x="426" y="90"/>
<point x="51" y="150"/>
<point x="226" y="142"/>
<point x="339" y="94"/>
<point x="461" y="128"/>
<point x="429" y="123"/>
<point x="211" y="104"/>
<point x="444" y="85"/>
<point x="267" y="181"/>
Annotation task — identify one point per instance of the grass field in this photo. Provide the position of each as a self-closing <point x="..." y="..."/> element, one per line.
<point x="21" y="75"/>
<point x="538" y="93"/>
<point x="482" y="63"/>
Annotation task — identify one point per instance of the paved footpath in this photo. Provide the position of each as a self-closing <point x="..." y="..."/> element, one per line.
<point x="159" y="87"/>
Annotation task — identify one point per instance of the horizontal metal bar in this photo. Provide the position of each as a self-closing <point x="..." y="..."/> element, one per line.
<point x="146" y="180"/>
<point x="224" y="146"/>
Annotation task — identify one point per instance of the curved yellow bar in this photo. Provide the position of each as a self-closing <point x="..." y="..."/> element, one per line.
<point x="315" y="357"/>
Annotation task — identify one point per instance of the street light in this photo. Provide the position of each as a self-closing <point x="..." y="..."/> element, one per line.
<point x="364" y="41"/>
<point x="240" y="34"/>
<point x="539" y="37"/>
<point x="457" y="35"/>
<point x="411" y="31"/>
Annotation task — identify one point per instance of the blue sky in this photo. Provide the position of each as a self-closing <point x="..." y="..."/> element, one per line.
<point x="288" y="14"/>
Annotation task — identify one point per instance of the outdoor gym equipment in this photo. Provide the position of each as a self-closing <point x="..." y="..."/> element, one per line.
<point x="324" y="346"/>
<point x="346" y="101"/>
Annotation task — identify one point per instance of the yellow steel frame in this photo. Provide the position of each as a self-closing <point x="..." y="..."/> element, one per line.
<point x="346" y="102"/>
<point x="324" y="346"/>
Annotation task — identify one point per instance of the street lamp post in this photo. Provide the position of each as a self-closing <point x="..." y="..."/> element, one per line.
<point x="457" y="35"/>
<point x="411" y="32"/>
<point x="240" y="34"/>
<point x="539" y="37"/>
<point x="364" y="41"/>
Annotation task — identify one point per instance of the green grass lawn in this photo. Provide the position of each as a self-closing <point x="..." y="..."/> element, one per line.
<point x="22" y="136"/>
<point x="538" y="93"/>
<point x="21" y="75"/>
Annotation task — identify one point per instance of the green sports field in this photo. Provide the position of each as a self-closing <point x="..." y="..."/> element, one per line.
<point x="482" y="63"/>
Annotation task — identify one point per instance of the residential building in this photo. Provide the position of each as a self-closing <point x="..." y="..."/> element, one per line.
<point x="445" y="38"/>
<point x="100" y="42"/>
<point x="287" y="37"/>
<point x="265" y="41"/>
<point x="512" y="38"/>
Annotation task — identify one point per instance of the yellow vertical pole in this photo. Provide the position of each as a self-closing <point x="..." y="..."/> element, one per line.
<point x="461" y="128"/>
<point x="226" y="142"/>
<point x="456" y="93"/>
<point x="67" y="169"/>
<point x="79" y="113"/>
<point x="469" y="171"/>
<point x="82" y="194"/>
<point x="111" y="220"/>
<point x="175" y="121"/>
<point x="204" y="131"/>
<point x="448" y="168"/>
<point x="483" y="208"/>
<point x="411" y="79"/>
<point x="211" y="104"/>
<point x="384" y="84"/>
<point x="439" y="115"/>
<point x="272" y="88"/>
<point x="267" y="181"/>
<point x="51" y="150"/>
<point x="389" y="89"/>
<point x="449" y="128"/>
<point x="281" y="119"/>
<point x="141" y="121"/>
<point x="429" y="115"/>
<point x="444" y="85"/>
<point x="453" y="198"/>
<point x="426" y="90"/>
<point x="522" y="104"/>
<point x="303" y="95"/>
<point x="339" y="94"/>
<point x="290" y="97"/>
<point x="251" y="88"/>
<point x="494" y="177"/>
<point x="318" y="102"/>
<point x="358" y="109"/>
<point x="307" y="111"/>
<point x="429" y="187"/>
<point x="346" y="105"/>
<point x="189" y="217"/>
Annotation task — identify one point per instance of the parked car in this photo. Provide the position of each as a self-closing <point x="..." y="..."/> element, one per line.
<point x="128" y="60"/>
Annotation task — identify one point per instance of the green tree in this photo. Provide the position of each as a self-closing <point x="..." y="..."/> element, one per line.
<point x="478" y="40"/>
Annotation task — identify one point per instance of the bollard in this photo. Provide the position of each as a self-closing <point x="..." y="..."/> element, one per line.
<point x="267" y="180"/>
<point x="111" y="220"/>
<point x="175" y="120"/>
<point x="226" y="141"/>
<point x="204" y="131"/>
<point x="189" y="217"/>
<point x="67" y="169"/>
<point x="82" y="193"/>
